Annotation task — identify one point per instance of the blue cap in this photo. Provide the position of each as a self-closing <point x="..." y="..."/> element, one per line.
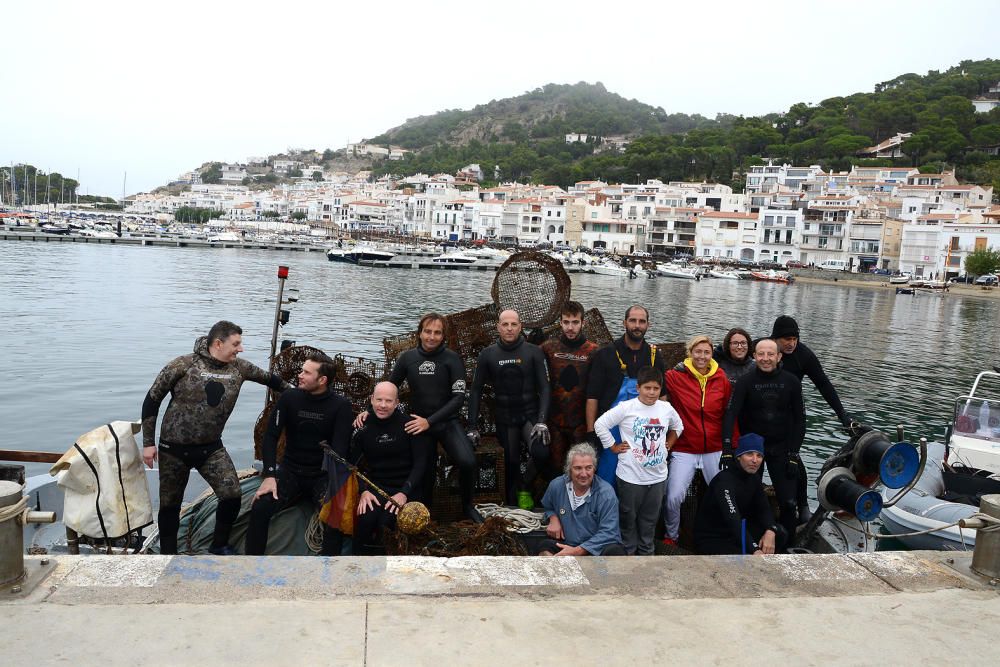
<point x="750" y="442"/>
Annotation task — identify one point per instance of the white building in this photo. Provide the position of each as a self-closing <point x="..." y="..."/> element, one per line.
<point x="727" y="235"/>
<point x="779" y="234"/>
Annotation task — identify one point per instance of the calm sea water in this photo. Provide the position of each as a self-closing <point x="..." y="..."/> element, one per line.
<point x="86" y="328"/>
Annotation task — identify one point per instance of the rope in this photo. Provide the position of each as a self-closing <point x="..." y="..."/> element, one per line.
<point x="992" y="528"/>
<point x="16" y="510"/>
<point x="314" y="534"/>
<point x="524" y="521"/>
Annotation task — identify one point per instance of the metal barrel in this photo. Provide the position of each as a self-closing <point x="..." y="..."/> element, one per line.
<point x="11" y="536"/>
<point x="986" y="556"/>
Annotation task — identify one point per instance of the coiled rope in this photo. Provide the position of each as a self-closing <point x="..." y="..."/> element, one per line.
<point x="524" y="521"/>
<point x="17" y="509"/>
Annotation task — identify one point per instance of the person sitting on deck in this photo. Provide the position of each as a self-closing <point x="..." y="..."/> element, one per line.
<point x="395" y="461"/>
<point x="735" y="517"/>
<point x="310" y="416"/>
<point x="582" y="510"/>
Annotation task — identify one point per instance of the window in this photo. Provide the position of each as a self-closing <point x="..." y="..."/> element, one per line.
<point x="593" y="216"/>
<point x="768" y="219"/>
<point x="954" y="243"/>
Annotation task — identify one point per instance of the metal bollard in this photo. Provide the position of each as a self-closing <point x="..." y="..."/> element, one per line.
<point x="986" y="556"/>
<point x="12" y="532"/>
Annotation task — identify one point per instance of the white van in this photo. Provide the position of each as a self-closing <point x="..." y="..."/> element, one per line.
<point x="832" y="265"/>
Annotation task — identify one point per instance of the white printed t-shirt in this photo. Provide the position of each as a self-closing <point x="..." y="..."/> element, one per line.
<point x="644" y="428"/>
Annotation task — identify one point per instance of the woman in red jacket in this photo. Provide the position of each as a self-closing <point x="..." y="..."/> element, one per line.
<point x="699" y="390"/>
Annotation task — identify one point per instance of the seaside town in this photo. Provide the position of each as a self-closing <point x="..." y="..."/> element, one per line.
<point x="868" y="219"/>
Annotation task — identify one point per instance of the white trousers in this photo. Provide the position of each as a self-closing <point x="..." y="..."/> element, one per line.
<point x="682" y="467"/>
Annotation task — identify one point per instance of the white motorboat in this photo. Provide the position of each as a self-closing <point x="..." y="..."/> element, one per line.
<point x="725" y="275"/>
<point x="957" y="474"/>
<point x="224" y="237"/>
<point x="455" y="258"/>
<point x="358" y="254"/>
<point x="675" y="271"/>
<point x="609" y="268"/>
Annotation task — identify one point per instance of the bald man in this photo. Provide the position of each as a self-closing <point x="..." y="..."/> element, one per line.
<point x="517" y="372"/>
<point x="392" y="459"/>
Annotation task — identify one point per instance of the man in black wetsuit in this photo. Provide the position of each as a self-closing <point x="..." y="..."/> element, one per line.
<point x="612" y="378"/>
<point x="393" y="459"/>
<point x="310" y="416"/>
<point x="768" y="401"/>
<point x="800" y="361"/>
<point x="735" y="516"/>
<point x="516" y="370"/>
<point x="436" y="378"/>
<point x="203" y="388"/>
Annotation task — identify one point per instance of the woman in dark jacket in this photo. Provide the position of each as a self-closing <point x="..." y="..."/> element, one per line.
<point x="735" y="354"/>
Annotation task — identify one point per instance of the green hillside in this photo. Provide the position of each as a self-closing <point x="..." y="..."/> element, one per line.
<point x="524" y="136"/>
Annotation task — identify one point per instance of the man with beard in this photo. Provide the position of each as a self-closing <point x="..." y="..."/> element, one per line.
<point x="568" y="354"/>
<point x="612" y="379"/>
<point x="768" y="401"/>
<point x="516" y="370"/>
<point x="310" y="416"/>
<point x="735" y="516"/>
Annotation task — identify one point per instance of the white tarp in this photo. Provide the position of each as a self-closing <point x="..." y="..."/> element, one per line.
<point x="103" y="482"/>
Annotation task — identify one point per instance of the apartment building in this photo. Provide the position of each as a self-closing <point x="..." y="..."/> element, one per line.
<point x="727" y="235"/>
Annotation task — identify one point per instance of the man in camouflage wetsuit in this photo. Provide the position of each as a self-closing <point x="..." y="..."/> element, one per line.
<point x="203" y="388"/>
<point x="568" y="355"/>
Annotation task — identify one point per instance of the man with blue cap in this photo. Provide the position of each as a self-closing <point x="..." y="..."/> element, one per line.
<point x="735" y="516"/>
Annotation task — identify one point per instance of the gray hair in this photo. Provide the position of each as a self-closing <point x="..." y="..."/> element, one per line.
<point x="581" y="449"/>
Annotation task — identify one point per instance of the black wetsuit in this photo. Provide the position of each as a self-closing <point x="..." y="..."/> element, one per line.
<point x="437" y="392"/>
<point x="770" y="405"/>
<point x="733" y="515"/>
<point x="308" y="421"/>
<point x="394" y="460"/>
<point x="520" y="381"/>
<point x="606" y="374"/>
<point x="800" y="363"/>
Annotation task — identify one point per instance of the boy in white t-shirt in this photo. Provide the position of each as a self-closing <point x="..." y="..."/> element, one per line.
<point x="649" y="428"/>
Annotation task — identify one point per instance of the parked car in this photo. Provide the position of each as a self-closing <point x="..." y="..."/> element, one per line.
<point x="990" y="279"/>
<point x="794" y="264"/>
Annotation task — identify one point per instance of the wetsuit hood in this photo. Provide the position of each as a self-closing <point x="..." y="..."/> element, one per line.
<point x="512" y="346"/>
<point x="573" y="344"/>
<point x="432" y="353"/>
<point x="201" y="349"/>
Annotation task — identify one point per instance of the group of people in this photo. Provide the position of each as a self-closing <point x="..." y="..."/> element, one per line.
<point x="613" y="435"/>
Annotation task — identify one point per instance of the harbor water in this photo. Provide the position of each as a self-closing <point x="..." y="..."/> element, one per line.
<point x="87" y="327"/>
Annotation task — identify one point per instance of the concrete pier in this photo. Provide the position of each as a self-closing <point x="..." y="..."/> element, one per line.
<point x="161" y="240"/>
<point x="861" y="609"/>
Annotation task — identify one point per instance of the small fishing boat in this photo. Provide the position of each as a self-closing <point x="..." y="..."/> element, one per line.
<point x="609" y="268"/>
<point x="771" y="276"/>
<point x="901" y="279"/>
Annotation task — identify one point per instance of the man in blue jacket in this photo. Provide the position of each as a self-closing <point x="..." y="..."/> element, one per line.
<point x="582" y="510"/>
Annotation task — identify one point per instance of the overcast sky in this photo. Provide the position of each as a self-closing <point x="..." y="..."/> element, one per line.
<point x="157" y="88"/>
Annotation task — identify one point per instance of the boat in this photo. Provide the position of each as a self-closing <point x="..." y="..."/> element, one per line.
<point x="956" y="476"/>
<point x="771" y="276"/>
<point x="900" y="279"/>
<point x="725" y="275"/>
<point x="224" y="237"/>
<point x="358" y="254"/>
<point x="455" y="258"/>
<point x="675" y="271"/>
<point x="609" y="268"/>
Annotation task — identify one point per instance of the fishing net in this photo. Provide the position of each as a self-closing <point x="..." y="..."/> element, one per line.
<point x="490" y="538"/>
<point x="671" y="353"/>
<point x="356" y="377"/>
<point x="533" y="284"/>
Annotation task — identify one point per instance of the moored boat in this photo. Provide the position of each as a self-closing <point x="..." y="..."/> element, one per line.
<point x="676" y="271"/>
<point x="771" y="276"/>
